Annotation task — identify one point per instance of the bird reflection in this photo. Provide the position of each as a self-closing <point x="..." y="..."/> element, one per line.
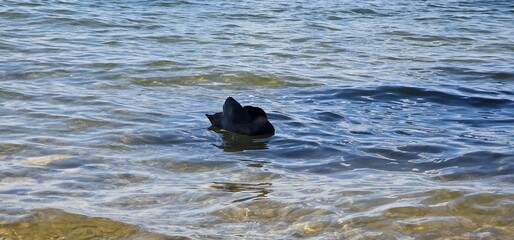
<point x="233" y="142"/>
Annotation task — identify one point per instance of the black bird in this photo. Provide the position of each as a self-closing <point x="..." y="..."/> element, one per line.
<point x="247" y="120"/>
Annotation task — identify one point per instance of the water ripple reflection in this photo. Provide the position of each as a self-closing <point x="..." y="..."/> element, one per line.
<point x="393" y="119"/>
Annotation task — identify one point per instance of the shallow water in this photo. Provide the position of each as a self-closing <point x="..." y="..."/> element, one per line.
<point x="394" y="119"/>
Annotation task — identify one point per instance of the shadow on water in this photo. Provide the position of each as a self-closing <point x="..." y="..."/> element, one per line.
<point x="233" y="142"/>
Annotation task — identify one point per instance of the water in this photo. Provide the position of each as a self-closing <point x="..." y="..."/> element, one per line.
<point x="394" y="119"/>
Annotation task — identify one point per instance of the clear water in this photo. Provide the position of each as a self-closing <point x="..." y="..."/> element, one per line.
<point x="394" y="119"/>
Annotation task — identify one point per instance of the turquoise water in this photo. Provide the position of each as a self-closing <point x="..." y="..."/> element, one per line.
<point x="394" y="119"/>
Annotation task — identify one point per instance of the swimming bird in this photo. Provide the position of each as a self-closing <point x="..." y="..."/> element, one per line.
<point x="247" y="120"/>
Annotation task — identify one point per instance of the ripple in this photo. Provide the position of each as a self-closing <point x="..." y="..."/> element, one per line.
<point x="304" y="150"/>
<point x="11" y="14"/>
<point x="428" y="38"/>
<point x="363" y="11"/>
<point x="423" y="148"/>
<point x="473" y="74"/>
<point x="156" y="138"/>
<point x="259" y="190"/>
<point x="329" y="116"/>
<point x="452" y="213"/>
<point x="393" y="119"/>
<point x="162" y="63"/>
<point x="168" y="39"/>
<point x="191" y="166"/>
<point x="84" y="123"/>
<point x="242" y="79"/>
<point x="6" y="147"/>
<point x="391" y="93"/>
<point x="472" y="165"/>
<point x="265" y="210"/>
<point x="246" y="16"/>
<point x="29" y="75"/>
<point x="392" y="154"/>
<point x="7" y="94"/>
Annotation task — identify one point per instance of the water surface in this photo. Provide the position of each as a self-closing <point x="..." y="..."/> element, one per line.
<point x="393" y="119"/>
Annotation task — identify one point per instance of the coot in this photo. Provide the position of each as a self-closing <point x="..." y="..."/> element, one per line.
<point x="247" y="120"/>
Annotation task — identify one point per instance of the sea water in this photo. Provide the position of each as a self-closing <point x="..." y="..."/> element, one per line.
<point x="394" y="119"/>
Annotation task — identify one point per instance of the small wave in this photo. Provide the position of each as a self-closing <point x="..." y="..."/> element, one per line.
<point x="12" y="95"/>
<point x="437" y="162"/>
<point x="260" y="190"/>
<point x="325" y="26"/>
<point x="279" y="116"/>
<point x="482" y="123"/>
<point x="162" y="63"/>
<point x="363" y="11"/>
<point x="329" y="116"/>
<point x="170" y="4"/>
<point x="12" y="15"/>
<point x="37" y="74"/>
<point x="433" y="38"/>
<point x="190" y="165"/>
<point x="401" y="33"/>
<point x="155" y="138"/>
<point x="423" y="148"/>
<point x="470" y="166"/>
<point x="473" y="74"/>
<point x="167" y="39"/>
<point x="392" y="93"/>
<point x="78" y="123"/>
<point x="247" y="16"/>
<point x="10" y="147"/>
<point x="236" y="80"/>
<point x="268" y="211"/>
<point x="86" y="22"/>
<point x="103" y="65"/>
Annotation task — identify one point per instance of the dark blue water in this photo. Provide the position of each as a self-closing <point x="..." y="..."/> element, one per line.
<point x="394" y="119"/>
